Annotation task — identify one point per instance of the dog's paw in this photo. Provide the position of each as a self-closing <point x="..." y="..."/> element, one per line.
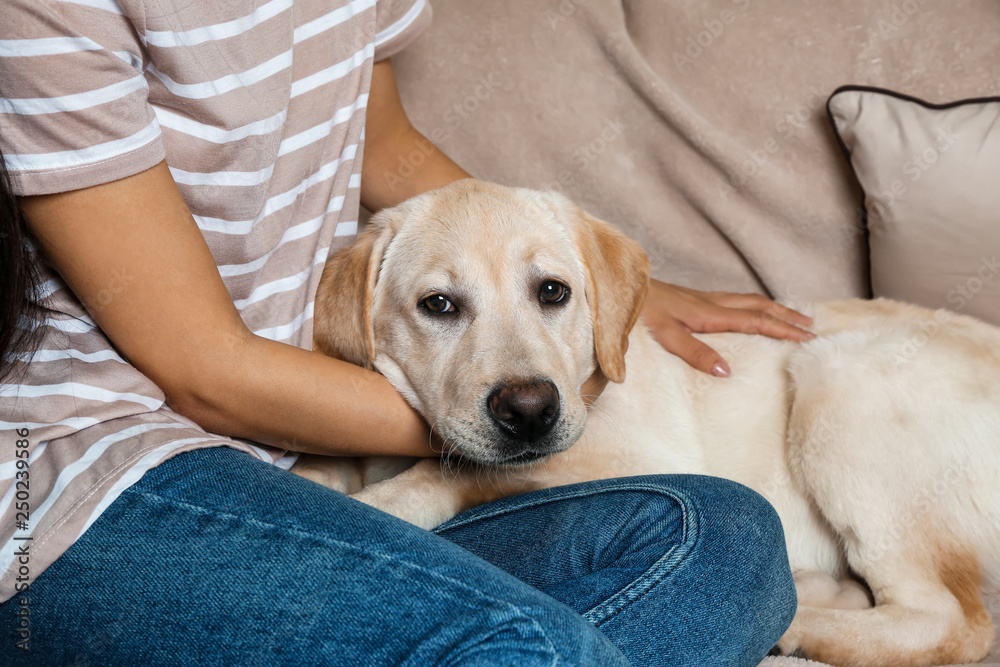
<point x="789" y="645"/>
<point x="388" y="497"/>
<point x="778" y="651"/>
<point x="419" y="496"/>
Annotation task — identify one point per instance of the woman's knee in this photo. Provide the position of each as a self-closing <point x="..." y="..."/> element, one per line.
<point x="708" y="572"/>
<point x="722" y="533"/>
<point x="740" y="532"/>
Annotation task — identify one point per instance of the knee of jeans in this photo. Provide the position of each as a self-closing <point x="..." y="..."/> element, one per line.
<point x="739" y="525"/>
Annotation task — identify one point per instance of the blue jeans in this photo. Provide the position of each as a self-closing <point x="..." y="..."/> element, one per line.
<point x="214" y="558"/>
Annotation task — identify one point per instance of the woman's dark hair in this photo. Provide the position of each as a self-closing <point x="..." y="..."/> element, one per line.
<point x="18" y="278"/>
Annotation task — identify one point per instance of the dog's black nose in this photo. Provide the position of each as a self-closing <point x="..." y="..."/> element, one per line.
<point x="525" y="409"/>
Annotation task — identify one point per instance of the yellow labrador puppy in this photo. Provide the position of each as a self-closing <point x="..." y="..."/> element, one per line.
<point x="878" y="443"/>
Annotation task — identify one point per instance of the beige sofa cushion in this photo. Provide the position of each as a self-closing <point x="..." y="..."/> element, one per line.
<point x="931" y="177"/>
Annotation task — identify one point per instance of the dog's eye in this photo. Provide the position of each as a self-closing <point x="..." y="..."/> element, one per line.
<point x="438" y="303"/>
<point x="552" y="291"/>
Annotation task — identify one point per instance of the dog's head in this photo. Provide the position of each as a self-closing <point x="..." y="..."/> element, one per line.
<point x="486" y="307"/>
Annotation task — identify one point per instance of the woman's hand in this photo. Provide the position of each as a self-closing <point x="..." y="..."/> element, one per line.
<point x="673" y="313"/>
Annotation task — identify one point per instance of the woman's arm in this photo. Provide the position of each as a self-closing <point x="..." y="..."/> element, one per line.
<point x="399" y="161"/>
<point x="175" y="322"/>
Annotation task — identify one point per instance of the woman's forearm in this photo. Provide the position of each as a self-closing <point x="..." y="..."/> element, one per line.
<point x="176" y="322"/>
<point x="296" y="399"/>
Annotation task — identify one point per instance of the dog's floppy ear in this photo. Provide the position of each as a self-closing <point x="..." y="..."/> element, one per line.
<point x="618" y="278"/>
<point x="343" y="327"/>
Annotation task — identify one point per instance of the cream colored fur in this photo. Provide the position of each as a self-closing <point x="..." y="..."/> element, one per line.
<point x="878" y="443"/>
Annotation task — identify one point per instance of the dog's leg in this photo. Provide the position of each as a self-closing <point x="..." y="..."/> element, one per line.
<point x="819" y="589"/>
<point x="340" y="473"/>
<point x="375" y="469"/>
<point x="426" y="495"/>
<point x="916" y="621"/>
<point x="420" y="495"/>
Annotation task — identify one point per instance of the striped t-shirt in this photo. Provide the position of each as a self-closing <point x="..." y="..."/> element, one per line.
<point x="258" y="107"/>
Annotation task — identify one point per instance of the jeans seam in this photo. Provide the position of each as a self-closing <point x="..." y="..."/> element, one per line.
<point x="373" y="553"/>
<point x="472" y="516"/>
<point x="645" y="582"/>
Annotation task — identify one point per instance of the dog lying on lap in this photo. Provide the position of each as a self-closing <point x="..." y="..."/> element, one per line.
<point x="488" y="307"/>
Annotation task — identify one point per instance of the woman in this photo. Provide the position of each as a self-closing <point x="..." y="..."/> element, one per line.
<point x="184" y="170"/>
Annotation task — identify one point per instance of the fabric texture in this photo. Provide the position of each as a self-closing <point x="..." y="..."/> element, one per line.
<point x="929" y="174"/>
<point x="260" y="114"/>
<point x="261" y="567"/>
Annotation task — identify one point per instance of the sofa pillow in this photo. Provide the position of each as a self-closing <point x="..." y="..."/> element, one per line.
<point x="931" y="180"/>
